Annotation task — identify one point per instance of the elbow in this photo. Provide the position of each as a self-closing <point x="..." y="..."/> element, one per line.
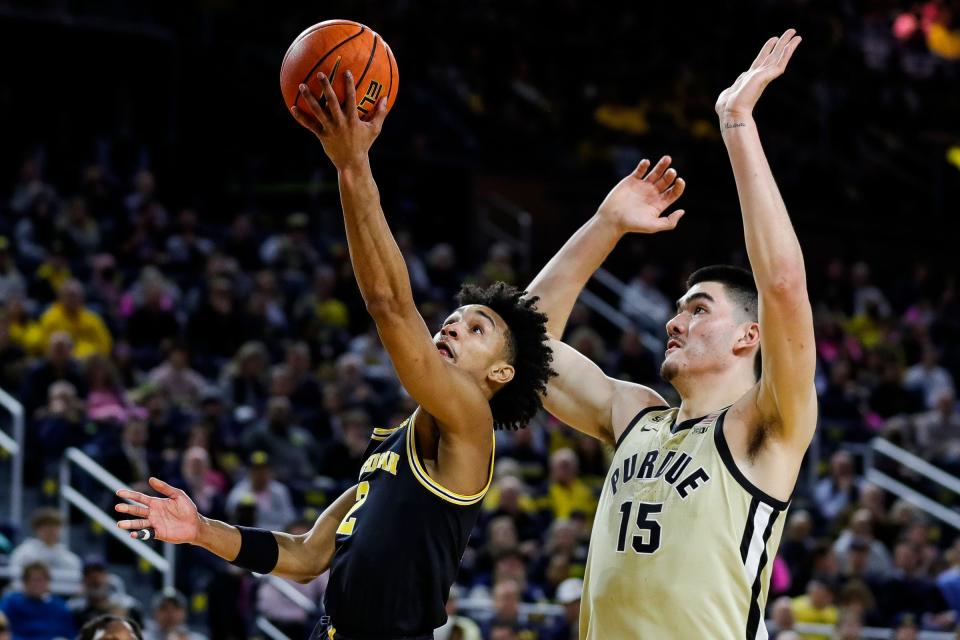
<point x="788" y="281"/>
<point x="387" y="305"/>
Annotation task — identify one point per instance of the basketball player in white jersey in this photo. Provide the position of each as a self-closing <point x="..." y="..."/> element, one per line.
<point x="694" y="502"/>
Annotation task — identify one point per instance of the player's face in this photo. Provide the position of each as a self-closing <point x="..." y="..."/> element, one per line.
<point x="473" y="338"/>
<point x="702" y="336"/>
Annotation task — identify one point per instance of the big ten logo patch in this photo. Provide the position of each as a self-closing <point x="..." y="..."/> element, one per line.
<point x="370" y="97"/>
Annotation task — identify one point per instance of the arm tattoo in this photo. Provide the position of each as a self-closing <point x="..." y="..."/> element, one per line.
<point x="733" y="125"/>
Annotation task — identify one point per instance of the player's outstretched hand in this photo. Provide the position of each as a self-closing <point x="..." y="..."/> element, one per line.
<point x="345" y="137"/>
<point x="173" y="518"/>
<point x="635" y="204"/>
<point x="740" y="98"/>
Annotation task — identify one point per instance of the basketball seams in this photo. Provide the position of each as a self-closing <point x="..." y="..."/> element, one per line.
<point x="324" y="58"/>
<point x="314" y="29"/>
<point x="373" y="52"/>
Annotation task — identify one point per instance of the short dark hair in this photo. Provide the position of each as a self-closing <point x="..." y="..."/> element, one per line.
<point x="741" y="289"/>
<point x="89" y="630"/>
<point x="517" y="402"/>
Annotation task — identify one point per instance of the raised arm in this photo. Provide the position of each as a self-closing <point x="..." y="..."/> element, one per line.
<point x="443" y="390"/>
<point x="582" y="395"/>
<point x="174" y="518"/>
<point x="633" y="206"/>
<point x="786" y="399"/>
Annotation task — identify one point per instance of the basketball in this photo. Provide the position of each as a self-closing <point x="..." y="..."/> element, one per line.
<point x="333" y="47"/>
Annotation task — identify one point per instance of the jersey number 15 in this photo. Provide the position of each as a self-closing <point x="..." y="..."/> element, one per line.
<point x="647" y="539"/>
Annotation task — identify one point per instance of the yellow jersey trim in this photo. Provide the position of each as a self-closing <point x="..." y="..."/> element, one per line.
<point x="435" y="487"/>
<point x="380" y="434"/>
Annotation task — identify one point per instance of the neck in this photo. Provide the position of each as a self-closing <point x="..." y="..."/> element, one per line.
<point x="709" y="392"/>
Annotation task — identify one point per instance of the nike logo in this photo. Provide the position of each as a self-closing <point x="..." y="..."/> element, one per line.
<point x="647" y="429"/>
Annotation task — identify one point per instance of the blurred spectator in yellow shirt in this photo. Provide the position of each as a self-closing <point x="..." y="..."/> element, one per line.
<point x="816" y="607"/>
<point x="566" y="492"/>
<point x="89" y="333"/>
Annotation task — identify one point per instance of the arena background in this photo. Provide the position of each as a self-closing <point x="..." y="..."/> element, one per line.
<point x="145" y="151"/>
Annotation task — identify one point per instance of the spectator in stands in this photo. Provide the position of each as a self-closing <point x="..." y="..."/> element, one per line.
<point x="106" y="398"/>
<point x="815" y="607"/>
<point x="78" y="229"/>
<point x="633" y="361"/>
<point x="101" y="595"/>
<point x="182" y="384"/>
<point x="908" y="590"/>
<point x="57" y="365"/>
<point x="274" y="506"/>
<point x="216" y="329"/>
<point x="292" y="449"/>
<point x="341" y="459"/>
<point x="506" y="612"/>
<point x="927" y="378"/>
<point x="153" y="323"/>
<point x="849" y="626"/>
<point x="645" y="302"/>
<point x="510" y="498"/>
<point x="59" y="562"/>
<point x="5" y="633"/>
<point x="186" y="249"/>
<point x="834" y="493"/>
<point x="90" y="334"/>
<point x="245" y="378"/>
<point x="457" y="627"/>
<point x="284" y="614"/>
<point x="781" y="617"/>
<point x="11" y="280"/>
<point x="34" y="613"/>
<point x="937" y="432"/>
<point x="60" y="424"/>
<point x="131" y="460"/>
<point x="949" y="580"/>
<point x="861" y="528"/>
<point x="568" y="626"/>
<point x="111" y="627"/>
<point x="566" y="492"/>
<point x="203" y="484"/>
<point x="796" y="549"/>
<point x="169" y="618"/>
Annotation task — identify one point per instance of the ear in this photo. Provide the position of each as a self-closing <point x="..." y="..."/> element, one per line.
<point x="501" y="373"/>
<point x="749" y="337"/>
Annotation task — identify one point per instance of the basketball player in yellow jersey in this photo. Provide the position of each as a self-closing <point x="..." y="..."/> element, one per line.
<point x="694" y="502"/>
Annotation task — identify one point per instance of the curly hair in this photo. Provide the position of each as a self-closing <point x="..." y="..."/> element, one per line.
<point x="515" y="404"/>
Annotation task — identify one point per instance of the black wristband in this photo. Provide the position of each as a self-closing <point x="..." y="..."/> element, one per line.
<point x="259" y="550"/>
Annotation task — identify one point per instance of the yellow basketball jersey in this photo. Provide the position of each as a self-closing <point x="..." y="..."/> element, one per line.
<point x="682" y="544"/>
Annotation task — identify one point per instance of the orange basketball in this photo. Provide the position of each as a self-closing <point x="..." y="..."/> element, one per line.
<point x="332" y="47"/>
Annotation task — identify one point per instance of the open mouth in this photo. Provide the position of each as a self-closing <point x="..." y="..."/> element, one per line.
<point x="445" y="351"/>
<point x="672" y="344"/>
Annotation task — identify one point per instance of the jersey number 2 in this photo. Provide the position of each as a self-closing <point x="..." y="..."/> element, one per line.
<point x="346" y="526"/>
<point x="648" y="539"/>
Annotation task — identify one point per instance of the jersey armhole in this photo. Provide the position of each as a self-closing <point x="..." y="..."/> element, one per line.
<point x="434" y="487"/>
<point x="723" y="448"/>
<point x="636" y="419"/>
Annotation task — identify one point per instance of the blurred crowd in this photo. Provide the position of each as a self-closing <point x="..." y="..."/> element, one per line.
<point x="230" y="354"/>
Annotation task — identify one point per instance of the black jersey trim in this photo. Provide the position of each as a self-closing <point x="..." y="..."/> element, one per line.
<point x="754" y="618"/>
<point x="724" y="449"/>
<point x="435" y="487"/>
<point x="636" y="419"/>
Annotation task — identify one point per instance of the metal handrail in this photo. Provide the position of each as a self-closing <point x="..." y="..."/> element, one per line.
<point x="69" y="496"/>
<point x="917" y="464"/>
<point x="15" y="446"/>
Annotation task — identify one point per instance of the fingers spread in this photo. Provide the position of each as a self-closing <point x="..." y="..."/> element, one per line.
<point x="350" y="96"/>
<point x="787" y="52"/>
<point x="658" y="169"/>
<point x="764" y="52"/>
<point x="641" y="169"/>
<point x="134" y="524"/>
<point x="331" y="105"/>
<point x="314" y="107"/>
<point x="666" y="179"/>
<point x="136" y="496"/>
<point x="675" y="191"/>
<point x="162" y="487"/>
<point x="133" y="509"/>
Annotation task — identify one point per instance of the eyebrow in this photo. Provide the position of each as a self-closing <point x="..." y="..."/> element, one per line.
<point x="695" y="296"/>
<point x="492" y="323"/>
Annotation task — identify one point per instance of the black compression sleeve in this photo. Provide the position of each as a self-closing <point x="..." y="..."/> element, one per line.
<point x="259" y="550"/>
